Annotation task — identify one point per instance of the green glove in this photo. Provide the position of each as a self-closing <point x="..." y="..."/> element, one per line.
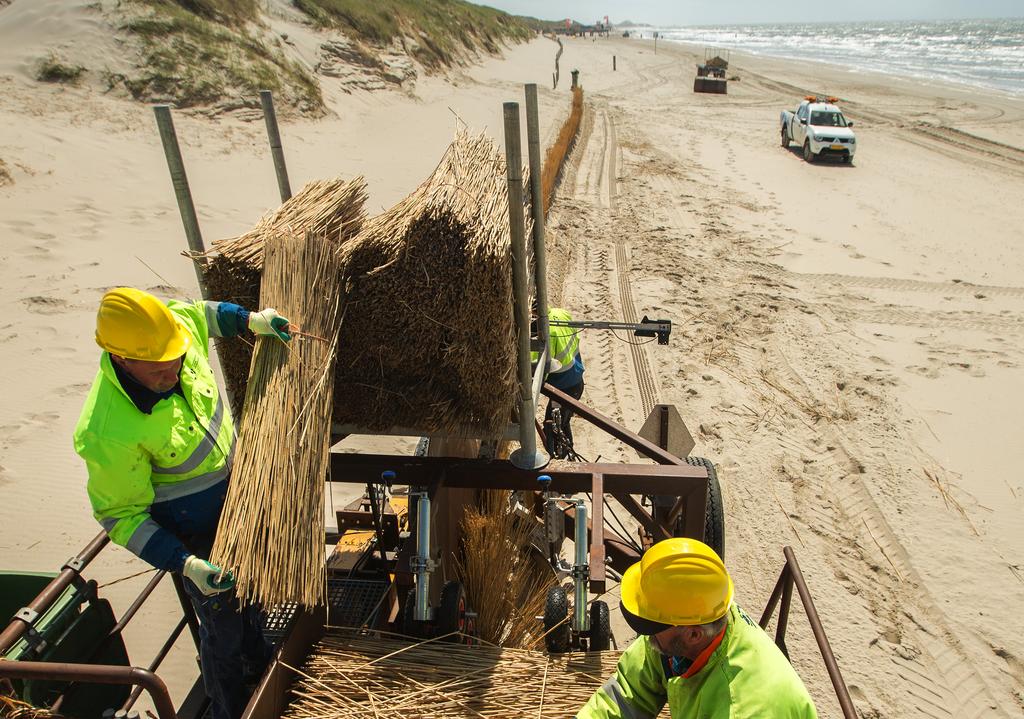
<point x="268" y="322"/>
<point x="209" y="578"/>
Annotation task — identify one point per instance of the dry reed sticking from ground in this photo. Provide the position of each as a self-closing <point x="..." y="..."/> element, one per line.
<point x="505" y="584"/>
<point x="354" y="676"/>
<point x="271" y="532"/>
<point x="556" y="154"/>
<point x="333" y="208"/>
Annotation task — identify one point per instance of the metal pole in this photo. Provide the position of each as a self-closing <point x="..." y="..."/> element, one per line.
<point x="613" y="64"/>
<point x="181" y="190"/>
<point x="540" y="255"/>
<point x="580" y="571"/>
<point x="527" y="456"/>
<point x="267" y="100"/>
<point x="421" y="560"/>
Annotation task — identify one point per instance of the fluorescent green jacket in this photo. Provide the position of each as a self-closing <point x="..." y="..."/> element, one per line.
<point x="746" y="677"/>
<point x="565" y="368"/>
<point x="158" y="480"/>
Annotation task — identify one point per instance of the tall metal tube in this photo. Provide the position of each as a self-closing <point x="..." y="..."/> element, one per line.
<point x="422" y="558"/>
<point x="181" y="189"/>
<point x="580" y="571"/>
<point x="527" y="456"/>
<point x="540" y="256"/>
<point x="274" y="135"/>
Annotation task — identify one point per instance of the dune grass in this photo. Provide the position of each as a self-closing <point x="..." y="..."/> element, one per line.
<point x="53" y="69"/>
<point x="441" y="29"/>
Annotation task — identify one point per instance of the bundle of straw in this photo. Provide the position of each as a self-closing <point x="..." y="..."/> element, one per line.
<point x="428" y="339"/>
<point x="353" y="676"/>
<point x="232" y="267"/>
<point x="271" y="532"/>
<point x="505" y="583"/>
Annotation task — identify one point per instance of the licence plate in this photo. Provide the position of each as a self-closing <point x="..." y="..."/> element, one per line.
<point x="838" y="147"/>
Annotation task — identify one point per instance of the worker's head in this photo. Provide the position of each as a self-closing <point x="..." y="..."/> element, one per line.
<point x="678" y="593"/>
<point x="142" y="336"/>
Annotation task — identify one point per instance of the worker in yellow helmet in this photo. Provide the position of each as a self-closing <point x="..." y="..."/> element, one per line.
<point x="564" y="372"/>
<point x="697" y="651"/>
<point x="158" y="439"/>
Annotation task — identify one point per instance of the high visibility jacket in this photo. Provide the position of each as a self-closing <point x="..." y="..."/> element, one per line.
<point x="746" y="677"/>
<point x="565" y="367"/>
<point x="157" y="481"/>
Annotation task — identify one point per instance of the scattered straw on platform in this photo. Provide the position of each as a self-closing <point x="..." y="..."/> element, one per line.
<point x="332" y="208"/>
<point x="353" y="676"/>
<point x="271" y="532"/>
<point x="506" y="581"/>
<point x="428" y="339"/>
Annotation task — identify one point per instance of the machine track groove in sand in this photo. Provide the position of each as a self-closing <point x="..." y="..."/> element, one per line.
<point x="641" y="364"/>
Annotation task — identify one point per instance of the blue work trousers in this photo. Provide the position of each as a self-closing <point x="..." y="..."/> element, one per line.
<point x="233" y="651"/>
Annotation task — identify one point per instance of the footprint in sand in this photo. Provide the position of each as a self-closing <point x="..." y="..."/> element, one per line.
<point x="45" y="305"/>
<point x="929" y="372"/>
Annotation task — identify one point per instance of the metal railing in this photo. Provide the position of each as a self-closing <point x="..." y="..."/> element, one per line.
<point x="783" y="592"/>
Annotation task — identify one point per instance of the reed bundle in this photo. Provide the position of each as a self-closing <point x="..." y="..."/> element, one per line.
<point x="232" y="267"/>
<point x="428" y="339"/>
<point x="271" y="532"/>
<point x="353" y="676"/>
<point x="506" y="581"/>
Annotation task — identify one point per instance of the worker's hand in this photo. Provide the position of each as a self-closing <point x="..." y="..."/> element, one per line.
<point x="269" y="322"/>
<point x="210" y="578"/>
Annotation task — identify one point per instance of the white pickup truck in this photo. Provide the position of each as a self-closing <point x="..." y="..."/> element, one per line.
<point x="820" y="128"/>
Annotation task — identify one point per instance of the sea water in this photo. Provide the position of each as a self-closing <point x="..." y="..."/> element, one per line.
<point x="982" y="53"/>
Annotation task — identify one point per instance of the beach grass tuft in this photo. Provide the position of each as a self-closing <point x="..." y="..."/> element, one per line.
<point x="53" y="69"/>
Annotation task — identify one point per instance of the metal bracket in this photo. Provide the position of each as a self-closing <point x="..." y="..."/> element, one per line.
<point x="32" y="638"/>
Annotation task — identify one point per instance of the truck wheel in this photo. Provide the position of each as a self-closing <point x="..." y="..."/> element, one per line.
<point x="808" y="155"/>
<point x="556" y="621"/>
<point x="785" y="137"/>
<point x="848" y="159"/>
<point x="714" y="513"/>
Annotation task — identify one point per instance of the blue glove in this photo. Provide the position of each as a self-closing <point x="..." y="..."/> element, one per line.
<point x="209" y="578"/>
<point x="268" y="322"/>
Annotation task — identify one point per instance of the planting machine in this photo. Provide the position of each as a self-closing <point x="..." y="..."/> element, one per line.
<point x="63" y="648"/>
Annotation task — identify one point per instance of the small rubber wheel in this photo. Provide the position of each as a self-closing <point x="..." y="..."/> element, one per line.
<point x="410" y="627"/>
<point x="600" y="627"/>
<point x="785" y="137"/>
<point x="714" y="513"/>
<point x="808" y="155"/>
<point x="556" y="621"/>
<point x="451" y="611"/>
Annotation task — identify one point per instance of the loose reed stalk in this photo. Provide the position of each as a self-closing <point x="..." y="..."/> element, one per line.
<point x="271" y="532"/>
<point x="357" y="675"/>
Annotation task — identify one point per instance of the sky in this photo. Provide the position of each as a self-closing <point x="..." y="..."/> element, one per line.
<point x="715" y="12"/>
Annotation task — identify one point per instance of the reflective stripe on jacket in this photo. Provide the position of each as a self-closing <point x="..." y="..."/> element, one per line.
<point x="142" y="465"/>
<point x="746" y="677"/>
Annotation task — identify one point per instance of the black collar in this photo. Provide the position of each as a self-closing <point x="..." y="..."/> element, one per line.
<point x="143" y="398"/>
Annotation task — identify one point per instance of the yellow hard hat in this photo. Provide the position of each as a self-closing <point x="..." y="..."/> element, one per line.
<point x="678" y="582"/>
<point x="135" y="324"/>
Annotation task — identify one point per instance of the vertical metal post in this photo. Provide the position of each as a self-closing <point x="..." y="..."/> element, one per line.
<point x="267" y="100"/>
<point x="540" y="255"/>
<point x="527" y="456"/>
<point x="421" y="560"/>
<point x="580" y="571"/>
<point x="614" y="68"/>
<point x="181" y="190"/>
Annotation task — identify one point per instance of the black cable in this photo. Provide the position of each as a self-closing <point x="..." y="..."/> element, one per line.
<point x="624" y="535"/>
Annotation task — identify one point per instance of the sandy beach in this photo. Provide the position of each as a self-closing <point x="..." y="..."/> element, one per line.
<point x="847" y="342"/>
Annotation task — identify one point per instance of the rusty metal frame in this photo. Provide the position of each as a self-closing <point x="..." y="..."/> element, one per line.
<point x="789" y="577"/>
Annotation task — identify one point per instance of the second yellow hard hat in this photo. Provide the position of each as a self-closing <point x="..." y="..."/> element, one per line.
<point x="135" y="324"/>
<point x="677" y="582"/>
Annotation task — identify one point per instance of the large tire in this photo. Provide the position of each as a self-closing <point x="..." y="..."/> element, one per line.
<point x="785" y="137"/>
<point x="410" y="627"/>
<point x="556" y="622"/>
<point x="714" y="513"/>
<point x="600" y="627"/>
<point x="451" y="612"/>
<point x="808" y="155"/>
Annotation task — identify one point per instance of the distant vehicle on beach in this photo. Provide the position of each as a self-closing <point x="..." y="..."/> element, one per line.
<point x="819" y="126"/>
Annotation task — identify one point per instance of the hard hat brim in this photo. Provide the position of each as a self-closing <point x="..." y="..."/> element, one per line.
<point x="640" y="625"/>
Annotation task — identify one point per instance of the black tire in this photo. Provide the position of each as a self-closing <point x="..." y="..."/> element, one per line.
<point x="848" y="159"/>
<point x="556" y="621"/>
<point x="600" y="627"/>
<point x="410" y="627"/>
<point x="785" y="137"/>
<point x="808" y="155"/>
<point x="451" y="611"/>
<point x="714" y="513"/>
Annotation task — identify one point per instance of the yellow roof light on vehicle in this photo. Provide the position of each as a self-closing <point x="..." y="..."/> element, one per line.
<point x="136" y="325"/>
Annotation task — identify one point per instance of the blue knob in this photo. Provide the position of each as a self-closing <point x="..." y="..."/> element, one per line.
<point x="545" y="481"/>
<point x="388" y="475"/>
